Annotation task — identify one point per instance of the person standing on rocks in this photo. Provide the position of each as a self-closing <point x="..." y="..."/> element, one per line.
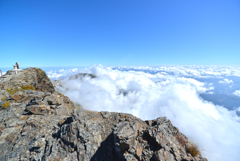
<point x="17" y="65"/>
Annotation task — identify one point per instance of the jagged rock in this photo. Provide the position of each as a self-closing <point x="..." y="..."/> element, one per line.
<point x="81" y="75"/>
<point x="57" y="83"/>
<point x="44" y="125"/>
<point x="3" y="95"/>
<point x="31" y="76"/>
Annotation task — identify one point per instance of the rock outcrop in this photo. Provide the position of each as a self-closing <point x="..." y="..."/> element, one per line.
<point x="38" y="123"/>
<point x="31" y="77"/>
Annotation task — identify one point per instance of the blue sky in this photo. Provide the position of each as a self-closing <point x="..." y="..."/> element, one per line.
<point x="119" y="32"/>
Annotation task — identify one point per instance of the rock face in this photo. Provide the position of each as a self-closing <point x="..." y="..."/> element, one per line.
<point x="42" y="124"/>
<point x="81" y="75"/>
<point x="29" y="77"/>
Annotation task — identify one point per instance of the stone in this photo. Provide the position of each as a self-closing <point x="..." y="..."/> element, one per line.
<point x="26" y="77"/>
<point x="43" y="124"/>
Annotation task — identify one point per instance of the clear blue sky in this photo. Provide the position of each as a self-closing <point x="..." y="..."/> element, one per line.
<point x="119" y="32"/>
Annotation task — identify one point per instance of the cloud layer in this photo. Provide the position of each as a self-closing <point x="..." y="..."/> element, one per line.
<point x="149" y="93"/>
<point x="237" y="93"/>
<point x="189" y="70"/>
<point x="225" y="81"/>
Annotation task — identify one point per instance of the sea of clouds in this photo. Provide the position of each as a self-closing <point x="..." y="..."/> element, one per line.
<point x="171" y="91"/>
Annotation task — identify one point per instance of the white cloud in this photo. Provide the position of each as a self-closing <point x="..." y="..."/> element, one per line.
<point x="62" y="73"/>
<point x="148" y="95"/>
<point x="225" y="81"/>
<point x="237" y="93"/>
<point x="190" y="70"/>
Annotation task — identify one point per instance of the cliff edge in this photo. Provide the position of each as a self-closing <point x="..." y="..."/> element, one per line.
<point x="38" y="123"/>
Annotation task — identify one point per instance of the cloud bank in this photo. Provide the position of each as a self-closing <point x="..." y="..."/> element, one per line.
<point x="188" y="70"/>
<point x="149" y="93"/>
<point x="237" y="93"/>
<point x="225" y="81"/>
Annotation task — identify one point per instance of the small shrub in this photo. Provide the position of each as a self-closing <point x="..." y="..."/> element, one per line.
<point x="3" y="98"/>
<point x="28" y="87"/>
<point x="193" y="150"/>
<point x="5" y="105"/>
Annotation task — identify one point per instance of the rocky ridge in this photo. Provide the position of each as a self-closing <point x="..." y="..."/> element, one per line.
<point x="38" y="123"/>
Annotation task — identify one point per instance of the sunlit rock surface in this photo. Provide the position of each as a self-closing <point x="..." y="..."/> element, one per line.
<point x="38" y="123"/>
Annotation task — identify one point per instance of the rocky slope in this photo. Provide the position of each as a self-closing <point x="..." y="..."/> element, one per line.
<point x="38" y="123"/>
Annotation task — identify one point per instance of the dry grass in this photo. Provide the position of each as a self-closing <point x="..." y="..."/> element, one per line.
<point x="193" y="150"/>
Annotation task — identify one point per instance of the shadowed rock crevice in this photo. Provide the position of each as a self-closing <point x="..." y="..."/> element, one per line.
<point x="152" y="143"/>
<point x="106" y="151"/>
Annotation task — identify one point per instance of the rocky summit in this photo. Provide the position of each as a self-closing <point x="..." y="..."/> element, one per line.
<point x="40" y="124"/>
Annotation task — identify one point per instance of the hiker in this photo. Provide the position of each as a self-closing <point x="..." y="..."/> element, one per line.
<point x="17" y="65"/>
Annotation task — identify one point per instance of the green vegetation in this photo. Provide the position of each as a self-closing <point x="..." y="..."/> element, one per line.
<point x="12" y="91"/>
<point x="3" y="98"/>
<point x="193" y="150"/>
<point x="28" y="87"/>
<point x="5" y="105"/>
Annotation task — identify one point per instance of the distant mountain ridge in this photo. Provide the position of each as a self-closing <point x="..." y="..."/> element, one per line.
<point x="228" y="101"/>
